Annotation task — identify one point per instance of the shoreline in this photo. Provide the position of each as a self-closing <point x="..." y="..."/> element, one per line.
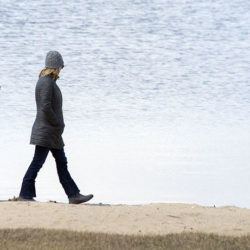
<point x="149" y="219"/>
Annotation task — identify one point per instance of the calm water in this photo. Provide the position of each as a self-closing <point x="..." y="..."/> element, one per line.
<point x="156" y="98"/>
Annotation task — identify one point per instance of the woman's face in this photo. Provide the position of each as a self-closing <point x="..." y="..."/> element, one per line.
<point x="59" y="69"/>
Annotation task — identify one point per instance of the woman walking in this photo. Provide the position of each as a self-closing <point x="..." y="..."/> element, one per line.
<point x="47" y="133"/>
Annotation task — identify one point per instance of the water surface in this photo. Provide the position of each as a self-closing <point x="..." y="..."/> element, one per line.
<point x="155" y="98"/>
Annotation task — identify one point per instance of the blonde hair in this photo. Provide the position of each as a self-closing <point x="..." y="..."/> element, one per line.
<point x="49" y="71"/>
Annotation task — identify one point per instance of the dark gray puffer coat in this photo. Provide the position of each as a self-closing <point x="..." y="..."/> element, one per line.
<point x="49" y="124"/>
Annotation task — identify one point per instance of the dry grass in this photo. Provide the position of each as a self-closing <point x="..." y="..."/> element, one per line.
<point x="37" y="239"/>
<point x="14" y="198"/>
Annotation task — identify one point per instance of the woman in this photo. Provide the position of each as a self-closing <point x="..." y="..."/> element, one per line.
<point x="47" y="133"/>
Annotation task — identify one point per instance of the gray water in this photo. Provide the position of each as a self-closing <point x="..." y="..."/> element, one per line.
<point x="155" y="98"/>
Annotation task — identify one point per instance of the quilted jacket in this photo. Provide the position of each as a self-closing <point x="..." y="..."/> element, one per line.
<point x="49" y="123"/>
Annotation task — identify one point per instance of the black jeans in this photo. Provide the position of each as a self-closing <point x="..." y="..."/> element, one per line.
<point x="28" y="185"/>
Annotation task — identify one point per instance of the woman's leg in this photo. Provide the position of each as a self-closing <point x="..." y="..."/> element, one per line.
<point x="28" y="186"/>
<point x="66" y="180"/>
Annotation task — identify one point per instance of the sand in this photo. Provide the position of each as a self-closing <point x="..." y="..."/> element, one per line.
<point x="155" y="218"/>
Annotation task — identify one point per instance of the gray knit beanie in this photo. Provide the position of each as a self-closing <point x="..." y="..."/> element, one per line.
<point x="54" y="60"/>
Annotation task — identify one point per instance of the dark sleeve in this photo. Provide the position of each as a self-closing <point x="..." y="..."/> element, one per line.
<point x="46" y="91"/>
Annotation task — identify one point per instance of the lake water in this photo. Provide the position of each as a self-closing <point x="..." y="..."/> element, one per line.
<point x="156" y="98"/>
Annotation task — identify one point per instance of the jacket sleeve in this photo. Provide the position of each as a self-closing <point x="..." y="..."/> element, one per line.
<point x="46" y="102"/>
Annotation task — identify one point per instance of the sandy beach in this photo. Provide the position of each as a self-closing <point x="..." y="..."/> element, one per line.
<point x="155" y="218"/>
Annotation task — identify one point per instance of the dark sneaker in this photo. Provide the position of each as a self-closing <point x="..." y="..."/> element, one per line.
<point x="79" y="198"/>
<point x="21" y="198"/>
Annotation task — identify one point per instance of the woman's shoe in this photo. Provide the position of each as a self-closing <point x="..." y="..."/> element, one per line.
<point x="79" y="198"/>
<point x="21" y="198"/>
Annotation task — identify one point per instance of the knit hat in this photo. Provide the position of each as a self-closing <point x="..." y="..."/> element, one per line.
<point x="54" y="60"/>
